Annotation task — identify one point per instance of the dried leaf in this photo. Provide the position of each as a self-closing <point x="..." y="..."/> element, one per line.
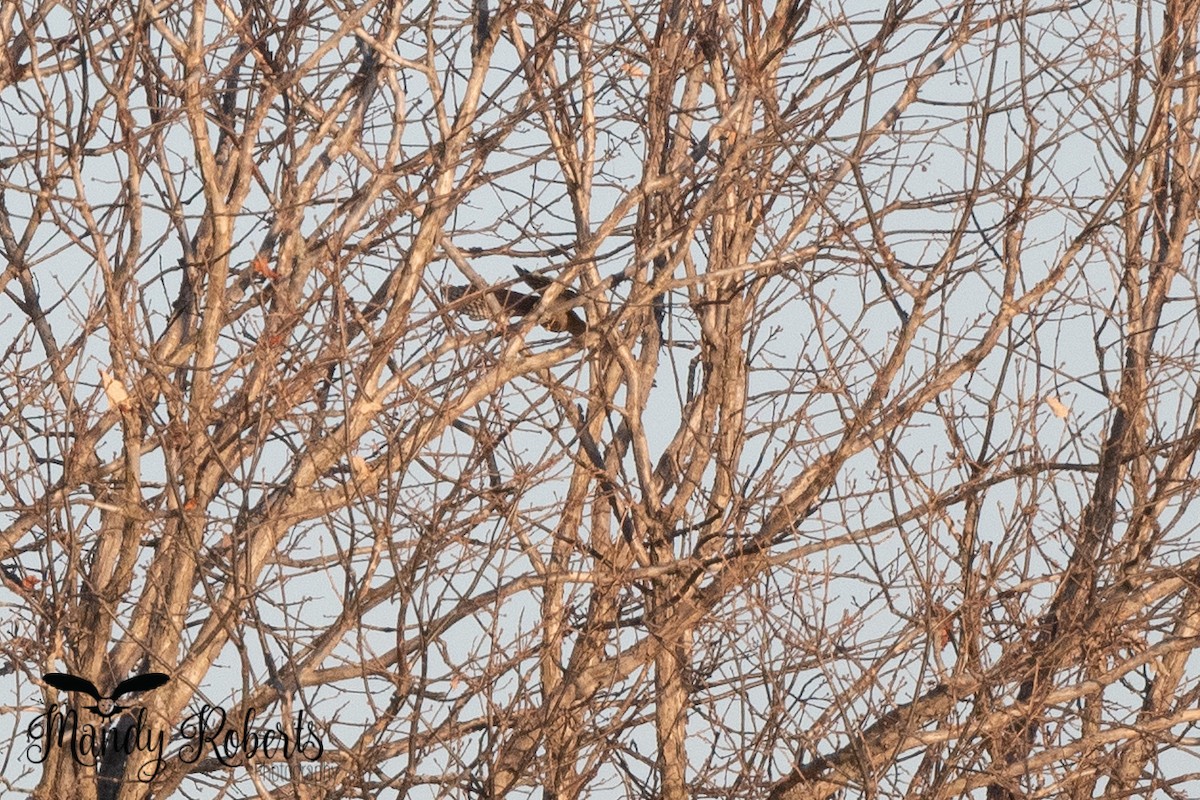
<point x="262" y="265"/>
<point x="1057" y="408"/>
<point x="114" y="390"/>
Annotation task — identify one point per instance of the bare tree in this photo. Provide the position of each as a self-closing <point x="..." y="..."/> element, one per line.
<point x="666" y="400"/>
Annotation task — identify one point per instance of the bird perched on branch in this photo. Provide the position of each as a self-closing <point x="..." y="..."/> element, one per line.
<point x="519" y="304"/>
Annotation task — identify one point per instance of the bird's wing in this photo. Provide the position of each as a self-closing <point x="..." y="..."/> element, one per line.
<point x="541" y="283"/>
<point x="140" y="683"/>
<point x="474" y="303"/>
<point x="514" y="303"/>
<point x="72" y="683"/>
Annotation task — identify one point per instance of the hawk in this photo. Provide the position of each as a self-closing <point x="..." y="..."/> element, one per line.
<point x="518" y="304"/>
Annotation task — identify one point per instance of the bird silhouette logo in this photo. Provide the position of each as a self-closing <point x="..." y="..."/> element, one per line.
<point x="105" y="706"/>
